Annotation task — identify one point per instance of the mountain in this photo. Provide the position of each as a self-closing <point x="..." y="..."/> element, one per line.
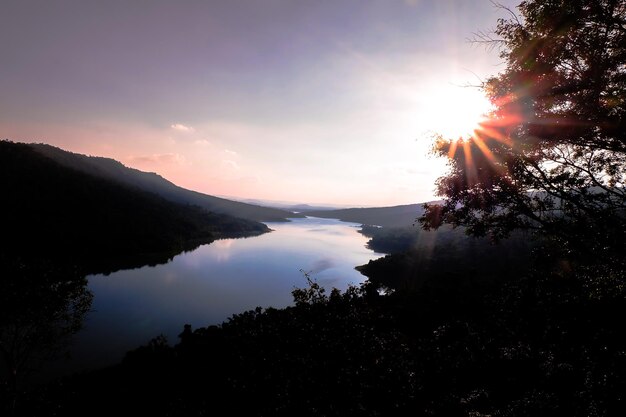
<point x="290" y="206"/>
<point x="396" y="216"/>
<point x="50" y="211"/>
<point x="148" y="181"/>
<point x="446" y="258"/>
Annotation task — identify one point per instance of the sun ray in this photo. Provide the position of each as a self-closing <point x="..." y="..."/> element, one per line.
<point x="496" y="134"/>
<point x="452" y="151"/>
<point x="471" y="175"/>
<point x="484" y="148"/>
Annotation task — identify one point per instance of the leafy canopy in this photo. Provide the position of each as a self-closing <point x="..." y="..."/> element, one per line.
<point x="552" y="155"/>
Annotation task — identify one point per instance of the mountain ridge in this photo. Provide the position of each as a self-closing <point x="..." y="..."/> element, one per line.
<point x="54" y="212"/>
<point x="154" y="183"/>
<point x="393" y="216"/>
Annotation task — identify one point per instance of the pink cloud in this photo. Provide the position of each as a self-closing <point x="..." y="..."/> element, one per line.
<point x="182" y="128"/>
<point x="161" y="159"/>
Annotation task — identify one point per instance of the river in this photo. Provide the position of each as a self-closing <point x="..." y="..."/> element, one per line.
<point x="207" y="285"/>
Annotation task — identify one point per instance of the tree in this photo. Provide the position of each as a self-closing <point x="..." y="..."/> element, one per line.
<point x="552" y="155"/>
<point x="41" y="306"/>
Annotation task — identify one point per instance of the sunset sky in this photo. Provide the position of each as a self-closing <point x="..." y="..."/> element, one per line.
<point x="306" y="101"/>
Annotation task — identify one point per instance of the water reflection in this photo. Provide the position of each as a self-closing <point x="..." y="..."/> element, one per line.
<point x="209" y="284"/>
<point x="222" y="249"/>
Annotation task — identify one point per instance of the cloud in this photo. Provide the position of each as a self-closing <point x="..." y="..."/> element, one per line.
<point x="182" y="128"/>
<point x="231" y="153"/>
<point x="231" y="164"/>
<point x="163" y="159"/>
<point x="202" y="142"/>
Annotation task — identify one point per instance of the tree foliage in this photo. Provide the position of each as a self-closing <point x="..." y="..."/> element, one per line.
<point x="41" y="306"/>
<point x="552" y="155"/>
<point x="542" y="347"/>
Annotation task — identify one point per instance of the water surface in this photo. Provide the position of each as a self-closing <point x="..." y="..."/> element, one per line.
<point x="209" y="284"/>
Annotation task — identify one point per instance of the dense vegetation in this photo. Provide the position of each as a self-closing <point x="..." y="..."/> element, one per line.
<point x="42" y="303"/>
<point x="53" y="212"/>
<point x="445" y="258"/>
<point x="544" y="346"/>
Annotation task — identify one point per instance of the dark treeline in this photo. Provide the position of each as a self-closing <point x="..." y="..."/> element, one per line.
<point x="547" y="344"/>
<point x="50" y="211"/>
<point x="445" y="257"/>
<point x="42" y="303"/>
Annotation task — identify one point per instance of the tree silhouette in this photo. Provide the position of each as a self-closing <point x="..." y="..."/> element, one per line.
<point x="41" y="306"/>
<point x="552" y="155"/>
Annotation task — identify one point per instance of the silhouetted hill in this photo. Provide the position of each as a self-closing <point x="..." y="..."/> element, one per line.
<point x="395" y="216"/>
<point x="54" y="212"/>
<point x="447" y="259"/>
<point x="291" y="206"/>
<point x="149" y="181"/>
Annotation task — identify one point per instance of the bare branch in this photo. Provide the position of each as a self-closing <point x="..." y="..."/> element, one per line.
<point x="513" y="15"/>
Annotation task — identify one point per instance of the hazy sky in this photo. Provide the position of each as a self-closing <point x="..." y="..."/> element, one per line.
<point x="309" y="101"/>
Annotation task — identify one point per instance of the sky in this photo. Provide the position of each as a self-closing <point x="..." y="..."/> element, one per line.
<point x="324" y="102"/>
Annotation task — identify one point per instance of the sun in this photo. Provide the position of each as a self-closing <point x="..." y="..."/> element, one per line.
<point x="456" y="112"/>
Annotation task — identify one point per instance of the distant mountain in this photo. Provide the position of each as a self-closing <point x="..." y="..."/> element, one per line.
<point x="291" y="206"/>
<point x="396" y="216"/>
<point x="50" y="211"/>
<point x="302" y="208"/>
<point x="151" y="182"/>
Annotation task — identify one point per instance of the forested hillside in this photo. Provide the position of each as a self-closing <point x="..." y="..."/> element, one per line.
<point x="54" y="212"/>
<point x="445" y="258"/>
<point x="148" y="181"/>
<point x="396" y="216"/>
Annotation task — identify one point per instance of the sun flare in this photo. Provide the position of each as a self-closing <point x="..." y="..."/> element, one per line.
<point x="457" y="112"/>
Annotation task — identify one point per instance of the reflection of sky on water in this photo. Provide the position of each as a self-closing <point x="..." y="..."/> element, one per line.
<point x="211" y="283"/>
<point x="322" y="265"/>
